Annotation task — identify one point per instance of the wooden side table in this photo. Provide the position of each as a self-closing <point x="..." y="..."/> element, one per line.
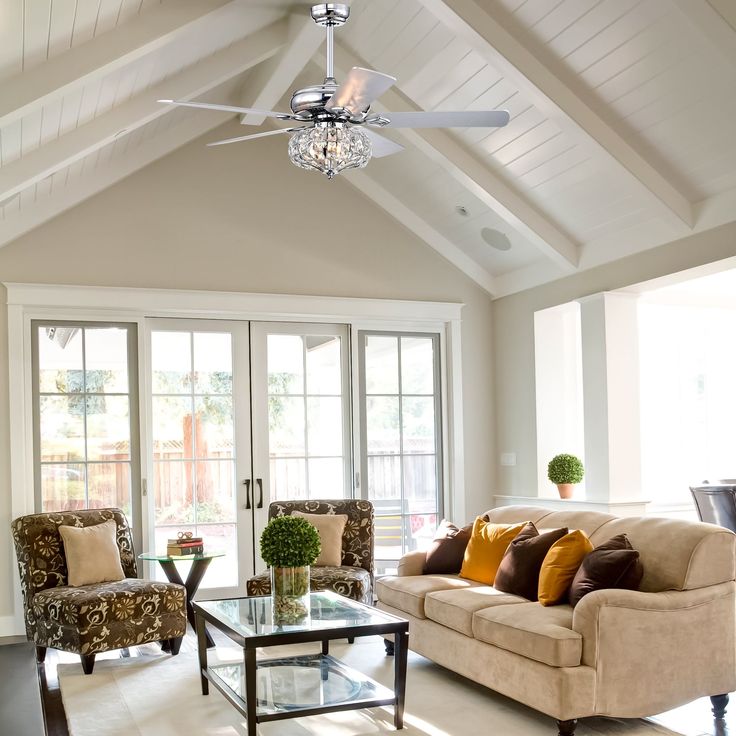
<point x="200" y="563"/>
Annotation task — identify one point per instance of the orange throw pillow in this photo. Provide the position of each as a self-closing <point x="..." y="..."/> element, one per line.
<point x="560" y="565"/>
<point x="487" y="545"/>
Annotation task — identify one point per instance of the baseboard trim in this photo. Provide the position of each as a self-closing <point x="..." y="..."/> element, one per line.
<point x="9" y="626"/>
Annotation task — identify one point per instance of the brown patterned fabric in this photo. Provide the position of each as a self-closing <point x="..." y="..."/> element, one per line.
<point x="90" y="618"/>
<point x="357" y="549"/>
<point x="352" y="582"/>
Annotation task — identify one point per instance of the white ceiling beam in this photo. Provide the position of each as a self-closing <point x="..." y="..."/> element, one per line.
<point x="90" y="184"/>
<point x="477" y="178"/>
<point x="370" y="188"/>
<point x="714" y="27"/>
<point x="124" y="119"/>
<point x="102" y="55"/>
<point x="273" y="77"/>
<point x="560" y="100"/>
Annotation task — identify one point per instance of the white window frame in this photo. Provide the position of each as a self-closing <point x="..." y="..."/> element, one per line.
<point x="27" y="302"/>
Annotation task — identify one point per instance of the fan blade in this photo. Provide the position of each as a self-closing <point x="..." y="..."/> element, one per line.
<point x="441" y="119"/>
<point x="255" y="135"/>
<point x="359" y="89"/>
<point x="229" y="108"/>
<point x="381" y="146"/>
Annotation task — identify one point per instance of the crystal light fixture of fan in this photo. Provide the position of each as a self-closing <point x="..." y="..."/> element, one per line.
<point x="330" y="147"/>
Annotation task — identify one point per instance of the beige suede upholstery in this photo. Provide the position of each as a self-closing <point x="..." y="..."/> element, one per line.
<point x="619" y="653"/>
<point x="407" y="593"/>
<point x="539" y="632"/>
<point x="455" y="608"/>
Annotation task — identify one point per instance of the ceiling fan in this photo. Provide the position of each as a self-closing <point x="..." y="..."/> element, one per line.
<point x="336" y="122"/>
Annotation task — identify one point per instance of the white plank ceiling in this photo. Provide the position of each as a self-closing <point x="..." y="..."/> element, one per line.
<point x="621" y="135"/>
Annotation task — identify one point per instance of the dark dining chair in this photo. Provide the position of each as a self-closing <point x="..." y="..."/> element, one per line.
<point x="716" y="502"/>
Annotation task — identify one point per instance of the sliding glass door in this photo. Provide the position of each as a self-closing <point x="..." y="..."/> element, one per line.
<point x="301" y="414"/>
<point x="200" y="442"/>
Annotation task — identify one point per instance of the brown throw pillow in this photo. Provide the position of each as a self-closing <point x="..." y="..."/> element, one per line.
<point x="445" y="554"/>
<point x="613" y="564"/>
<point x="92" y="554"/>
<point x="518" y="572"/>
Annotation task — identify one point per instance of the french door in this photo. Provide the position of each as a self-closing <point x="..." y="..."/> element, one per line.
<point x="240" y="414"/>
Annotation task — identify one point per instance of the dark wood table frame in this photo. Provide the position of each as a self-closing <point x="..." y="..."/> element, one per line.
<point x="247" y="705"/>
<point x="194" y="578"/>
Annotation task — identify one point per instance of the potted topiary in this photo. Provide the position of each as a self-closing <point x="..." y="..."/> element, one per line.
<point x="289" y="545"/>
<point x="565" y="471"/>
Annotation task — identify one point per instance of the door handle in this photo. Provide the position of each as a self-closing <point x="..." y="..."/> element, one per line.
<point x="260" y="494"/>
<point x="246" y="483"/>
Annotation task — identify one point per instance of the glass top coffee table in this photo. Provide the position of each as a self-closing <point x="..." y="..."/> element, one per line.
<point x="305" y="684"/>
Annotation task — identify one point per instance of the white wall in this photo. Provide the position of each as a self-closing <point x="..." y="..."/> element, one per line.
<point x="244" y="219"/>
<point x="513" y="346"/>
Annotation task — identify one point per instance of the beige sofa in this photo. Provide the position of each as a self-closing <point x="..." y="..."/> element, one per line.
<point x="619" y="653"/>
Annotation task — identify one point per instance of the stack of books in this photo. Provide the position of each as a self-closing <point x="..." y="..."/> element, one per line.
<point x="185" y="546"/>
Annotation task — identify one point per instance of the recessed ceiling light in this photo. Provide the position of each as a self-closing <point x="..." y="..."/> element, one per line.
<point x="495" y="238"/>
<point x="462" y="211"/>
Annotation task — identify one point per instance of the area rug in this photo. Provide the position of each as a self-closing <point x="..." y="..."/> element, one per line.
<point x="159" y="695"/>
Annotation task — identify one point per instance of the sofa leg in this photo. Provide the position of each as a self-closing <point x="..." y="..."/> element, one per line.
<point x="175" y="645"/>
<point x="88" y="663"/>
<point x="389" y="647"/>
<point x="567" y="728"/>
<point x="719" y="703"/>
<point x="351" y="640"/>
<point x="40" y="654"/>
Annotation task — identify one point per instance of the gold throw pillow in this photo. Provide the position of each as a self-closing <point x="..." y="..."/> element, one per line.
<point x="330" y="528"/>
<point x="560" y="565"/>
<point x="486" y="548"/>
<point x="92" y="554"/>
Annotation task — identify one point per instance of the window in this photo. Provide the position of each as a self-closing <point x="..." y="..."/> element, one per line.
<point x="85" y="416"/>
<point x="401" y="439"/>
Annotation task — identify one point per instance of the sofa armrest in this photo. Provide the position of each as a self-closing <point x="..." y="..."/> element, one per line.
<point x="681" y="643"/>
<point x="412" y="563"/>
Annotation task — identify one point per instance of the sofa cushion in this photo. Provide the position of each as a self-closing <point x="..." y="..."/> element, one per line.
<point x="541" y="633"/>
<point x="560" y="565"/>
<point x="407" y="593"/>
<point x="455" y="608"/>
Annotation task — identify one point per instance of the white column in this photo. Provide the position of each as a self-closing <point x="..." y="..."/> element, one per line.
<point x="609" y="326"/>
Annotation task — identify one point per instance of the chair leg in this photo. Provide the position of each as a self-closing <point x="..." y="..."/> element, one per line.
<point x="389" y="647"/>
<point x="175" y="645"/>
<point x="567" y="728"/>
<point x="40" y="653"/>
<point x="88" y="663"/>
<point x="719" y="703"/>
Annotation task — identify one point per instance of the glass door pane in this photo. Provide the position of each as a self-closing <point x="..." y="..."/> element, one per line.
<point x="85" y="417"/>
<point x="400" y="438"/>
<point x="195" y="445"/>
<point x="301" y="418"/>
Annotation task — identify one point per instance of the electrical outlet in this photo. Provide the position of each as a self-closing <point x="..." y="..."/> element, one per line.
<point x="508" y="459"/>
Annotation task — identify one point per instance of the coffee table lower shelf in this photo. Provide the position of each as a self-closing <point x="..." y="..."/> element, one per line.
<point x="303" y="685"/>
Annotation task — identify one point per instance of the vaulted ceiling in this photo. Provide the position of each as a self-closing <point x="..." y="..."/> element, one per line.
<point x="621" y="135"/>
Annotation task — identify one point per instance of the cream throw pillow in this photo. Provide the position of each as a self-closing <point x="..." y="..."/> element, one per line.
<point x="92" y="554"/>
<point x="330" y="528"/>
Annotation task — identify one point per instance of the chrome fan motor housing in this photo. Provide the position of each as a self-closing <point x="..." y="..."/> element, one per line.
<point x="309" y="102"/>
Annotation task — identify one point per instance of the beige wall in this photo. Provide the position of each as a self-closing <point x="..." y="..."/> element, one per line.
<point x="513" y="346"/>
<point x="242" y="218"/>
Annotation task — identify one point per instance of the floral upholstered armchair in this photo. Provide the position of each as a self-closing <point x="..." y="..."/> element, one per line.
<point x="91" y="618"/>
<point x="354" y="578"/>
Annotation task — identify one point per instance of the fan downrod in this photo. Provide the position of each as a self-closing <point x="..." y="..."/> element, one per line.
<point x="330" y="14"/>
